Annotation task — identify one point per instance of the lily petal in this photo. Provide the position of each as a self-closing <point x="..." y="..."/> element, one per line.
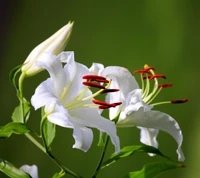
<point x="83" y="138"/>
<point x="123" y="80"/>
<point x="148" y="137"/>
<point x="96" y="68"/>
<point x="31" y="170"/>
<point x="156" y="120"/>
<point x="90" y="118"/>
<point x="49" y="62"/>
<point x="44" y="94"/>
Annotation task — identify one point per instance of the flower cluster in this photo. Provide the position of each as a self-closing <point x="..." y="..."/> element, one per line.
<point x="69" y="102"/>
<point x="69" y="98"/>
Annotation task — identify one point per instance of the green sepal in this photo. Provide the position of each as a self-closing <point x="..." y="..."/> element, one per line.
<point x="101" y="141"/>
<point x="12" y="75"/>
<point x="17" y="113"/>
<point x="48" y="132"/>
<point x="153" y="170"/>
<point x="58" y="175"/>
<point x="130" y="150"/>
<point x="11" y="171"/>
<point x="13" y="128"/>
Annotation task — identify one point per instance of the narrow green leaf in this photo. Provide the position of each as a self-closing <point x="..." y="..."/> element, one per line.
<point x="13" y="73"/>
<point x="17" y="113"/>
<point x="101" y="141"/>
<point x="11" y="171"/>
<point x="58" y="175"/>
<point x="49" y="132"/>
<point x="130" y="150"/>
<point x="153" y="170"/>
<point x="13" y="128"/>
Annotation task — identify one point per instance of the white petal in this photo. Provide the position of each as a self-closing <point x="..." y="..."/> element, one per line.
<point x="148" y="137"/>
<point x="96" y="68"/>
<point x="31" y="170"/>
<point x="156" y="120"/>
<point x="55" y="69"/>
<point x="60" y="117"/>
<point x="83" y="138"/>
<point x="74" y="71"/>
<point x="123" y="80"/>
<point x="65" y="56"/>
<point x="90" y="118"/>
<point x="44" y="94"/>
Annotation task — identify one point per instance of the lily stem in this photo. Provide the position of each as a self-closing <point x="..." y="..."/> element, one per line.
<point x="102" y="157"/>
<point x="66" y="170"/>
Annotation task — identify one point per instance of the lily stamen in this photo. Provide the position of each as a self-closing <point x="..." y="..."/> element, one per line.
<point x="165" y="85"/>
<point x="148" y="73"/>
<point x="93" y="77"/>
<point x="109" y="90"/>
<point x="100" y="80"/>
<point x="93" y="84"/>
<point x="157" y="76"/>
<point x="179" y="101"/>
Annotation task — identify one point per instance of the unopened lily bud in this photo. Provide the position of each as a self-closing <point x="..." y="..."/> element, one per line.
<point x="54" y="44"/>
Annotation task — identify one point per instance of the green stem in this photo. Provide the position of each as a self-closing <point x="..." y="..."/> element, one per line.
<point x="21" y="98"/>
<point x="66" y="170"/>
<point x="102" y="157"/>
<point x="35" y="142"/>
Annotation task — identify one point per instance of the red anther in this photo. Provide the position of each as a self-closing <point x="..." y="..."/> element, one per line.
<point x="151" y="68"/>
<point x="145" y="77"/>
<point x="100" y="80"/>
<point x="141" y="71"/>
<point x="92" y="84"/>
<point x="115" y="104"/>
<point x="101" y="103"/>
<point x="110" y="90"/>
<point x="104" y="107"/>
<point x="93" y="77"/>
<point x="157" y="76"/>
<point x="164" y="85"/>
<point x="179" y="101"/>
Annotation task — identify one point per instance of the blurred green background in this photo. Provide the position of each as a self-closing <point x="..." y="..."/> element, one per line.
<point x="164" y="34"/>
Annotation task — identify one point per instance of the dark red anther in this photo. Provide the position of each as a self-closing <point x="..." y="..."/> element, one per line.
<point x="157" y="76"/>
<point x="179" y="101"/>
<point x="101" y="103"/>
<point x="100" y="80"/>
<point x="92" y="84"/>
<point x="115" y="104"/>
<point x="141" y="71"/>
<point x="110" y="90"/>
<point x="145" y="77"/>
<point x="104" y="107"/>
<point x="93" y="77"/>
<point x="164" y="85"/>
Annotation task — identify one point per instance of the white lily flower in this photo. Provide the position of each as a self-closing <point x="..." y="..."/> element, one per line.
<point x="54" y="44"/>
<point x="68" y="102"/>
<point x="136" y="106"/>
<point x="31" y="170"/>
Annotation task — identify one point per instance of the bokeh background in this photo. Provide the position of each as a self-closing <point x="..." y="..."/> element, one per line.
<point x="164" y="34"/>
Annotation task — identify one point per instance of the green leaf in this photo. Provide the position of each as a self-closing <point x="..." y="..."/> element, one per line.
<point x="11" y="171"/>
<point x="17" y="113"/>
<point x="153" y="170"/>
<point x="13" y="128"/>
<point x="58" y="175"/>
<point x="101" y="141"/>
<point x="49" y="132"/>
<point x="130" y="150"/>
<point x="13" y="73"/>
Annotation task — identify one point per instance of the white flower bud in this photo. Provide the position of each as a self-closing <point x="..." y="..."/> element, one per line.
<point x="54" y="44"/>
